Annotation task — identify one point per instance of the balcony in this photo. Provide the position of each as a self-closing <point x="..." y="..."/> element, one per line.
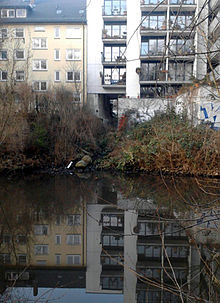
<point x="146" y="5"/>
<point x="113" y="38"/>
<point x="114" y="13"/>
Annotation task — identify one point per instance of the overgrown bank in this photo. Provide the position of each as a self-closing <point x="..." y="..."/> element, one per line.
<point x="56" y="131"/>
<point x="168" y="143"/>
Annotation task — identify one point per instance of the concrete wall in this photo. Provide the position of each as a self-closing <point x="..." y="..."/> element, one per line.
<point x="139" y="110"/>
<point x="202" y="104"/>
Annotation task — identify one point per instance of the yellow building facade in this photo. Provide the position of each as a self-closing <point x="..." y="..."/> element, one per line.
<point x="46" y="51"/>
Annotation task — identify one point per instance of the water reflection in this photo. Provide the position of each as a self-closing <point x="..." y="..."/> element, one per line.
<point x="151" y="239"/>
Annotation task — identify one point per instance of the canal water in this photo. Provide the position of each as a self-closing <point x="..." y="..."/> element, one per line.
<point x="109" y="238"/>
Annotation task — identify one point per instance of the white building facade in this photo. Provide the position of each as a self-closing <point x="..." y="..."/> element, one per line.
<point x="144" y="48"/>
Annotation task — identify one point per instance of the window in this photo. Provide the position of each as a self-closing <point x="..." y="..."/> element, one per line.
<point x="3" y="75"/>
<point x="3" y="55"/>
<point x="41" y="262"/>
<point x="39" y="43"/>
<point x="73" y="239"/>
<point x="149" y="251"/>
<point x="177" y="251"/>
<point x="22" y="259"/>
<point x="39" y="64"/>
<point x="5" y="239"/>
<point x="7" y="13"/>
<point x="154" y="22"/>
<point x="181" y="71"/>
<point x="113" y="220"/>
<point x="73" y="32"/>
<point x="56" y="32"/>
<point x="40" y="86"/>
<point x="56" y="54"/>
<point x="21" y="13"/>
<point x="41" y="230"/>
<point x="3" y="33"/>
<point x="58" y="220"/>
<point x="58" y="259"/>
<point x="19" y="75"/>
<point x="76" y="97"/>
<point x="39" y="29"/>
<point x="57" y="76"/>
<point x="73" y="259"/>
<point x="73" y="76"/>
<point x="149" y="229"/>
<point x="153" y="47"/>
<point x="153" y="71"/>
<point x="112" y="282"/>
<point x="5" y="259"/>
<point x="109" y="240"/>
<point x="114" y="53"/>
<point x="181" y="21"/>
<point x="114" y="76"/>
<point x="114" y="7"/>
<point x="58" y="239"/>
<point x="21" y="239"/>
<point x="19" y="33"/>
<point x="115" y="31"/>
<point x="41" y="249"/>
<point x="73" y="220"/>
<point x="73" y="54"/>
<point x="19" y="54"/>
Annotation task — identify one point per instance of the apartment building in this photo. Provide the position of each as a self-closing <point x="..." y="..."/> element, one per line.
<point x="56" y="241"/>
<point x="144" y="48"/>
<point x="43" y="43"/>
<point x="214" y="39"/>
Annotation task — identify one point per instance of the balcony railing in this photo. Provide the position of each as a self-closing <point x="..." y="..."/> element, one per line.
<point x="172" y="2"/>
<point x="116" y="11"/>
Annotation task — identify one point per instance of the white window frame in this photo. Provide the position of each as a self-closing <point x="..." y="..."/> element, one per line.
<point x="19" y="50"/>
<point x="40" y="86"/>
<point x="7" y="12"/>
<point x="39" y="42"/>
<point x="73" y="239"/>
<point x="55" y="76"/>
<point x="71" y="259"/>
<point x="39" y="29"/>
<point x="71" y="220"/>
<point x="19" y="71"/>
<point x="23" y="10"/>
<point x="1" y="57"/>
<point x="41" y="230"/>
<point x="72" y="51"/>
<point x="76" y="33"/>
<point x="73" y="73"/>
<point x="56" y="33"/>
<point x="39" y="61"/>
<point x="55" y="54"/>
<point x="1" y="72"/>
<point x="76" y="94"/>
<point x="21" y="29"/>
<point x="43" y="249"/>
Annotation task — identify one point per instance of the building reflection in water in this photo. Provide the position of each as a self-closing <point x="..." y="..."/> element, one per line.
<point x="108" y="244"/>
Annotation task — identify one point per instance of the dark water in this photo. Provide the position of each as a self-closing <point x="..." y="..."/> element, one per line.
<point x="106" y="238"/>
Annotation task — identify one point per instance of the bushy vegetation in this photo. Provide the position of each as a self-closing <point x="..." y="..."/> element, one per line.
<point x="47" y="131"/>
<point x="168" y="143"/>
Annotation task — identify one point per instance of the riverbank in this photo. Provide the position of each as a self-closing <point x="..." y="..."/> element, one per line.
<point x="167" y="144"/>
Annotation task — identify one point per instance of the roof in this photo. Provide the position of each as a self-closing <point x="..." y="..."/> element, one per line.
<point x="48" y="11"/>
